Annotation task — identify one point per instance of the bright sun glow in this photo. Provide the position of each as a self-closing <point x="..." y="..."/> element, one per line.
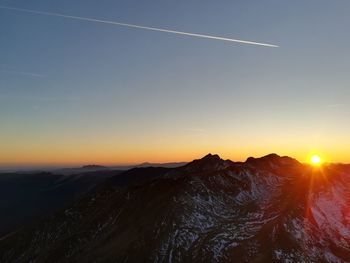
<point x="315" y="159"/>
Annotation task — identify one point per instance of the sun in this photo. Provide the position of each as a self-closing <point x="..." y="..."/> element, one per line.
<point x="315" y="159"/>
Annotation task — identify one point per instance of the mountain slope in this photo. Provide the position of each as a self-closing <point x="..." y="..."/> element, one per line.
<point x="25" y="197"/>
<point x="210" y="210"/>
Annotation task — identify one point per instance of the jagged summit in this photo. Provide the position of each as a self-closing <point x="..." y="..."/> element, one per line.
<point x="207" y="158"/>
<point x="210" y="162"/>
<point x="213" y="162"/>
<point x="211" y="155"/>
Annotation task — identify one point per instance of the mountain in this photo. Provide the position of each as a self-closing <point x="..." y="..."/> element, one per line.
<point x="97" y="168"/>
<point x="28" y="196"/>
<point x="147" y="164"/>
<point x="269" y="209"/>
<point x="80" y="170"/>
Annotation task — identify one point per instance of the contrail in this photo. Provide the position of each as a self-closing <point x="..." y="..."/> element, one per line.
<point x="28" y="74"/>
<point x="139" y="27"/>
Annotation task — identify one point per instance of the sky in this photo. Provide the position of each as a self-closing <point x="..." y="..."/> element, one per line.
<point x="77" y="92"/>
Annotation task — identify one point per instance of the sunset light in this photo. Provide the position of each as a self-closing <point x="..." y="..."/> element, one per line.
<point x="315" y="159"/>
<point x="173" y="131"/>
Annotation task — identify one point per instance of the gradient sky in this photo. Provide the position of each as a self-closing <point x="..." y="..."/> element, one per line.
<point x="74" y="92"/>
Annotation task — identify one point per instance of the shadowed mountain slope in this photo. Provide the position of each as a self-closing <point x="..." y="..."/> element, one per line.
<point x="269" y="209"/>
<point x="25" y="197"/>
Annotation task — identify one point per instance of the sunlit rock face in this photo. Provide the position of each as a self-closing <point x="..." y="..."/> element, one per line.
<point x="270" y="209"/>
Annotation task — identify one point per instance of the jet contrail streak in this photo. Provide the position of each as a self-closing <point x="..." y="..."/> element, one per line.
<point x="28" y="74"/>
<point x="140" y="27"/>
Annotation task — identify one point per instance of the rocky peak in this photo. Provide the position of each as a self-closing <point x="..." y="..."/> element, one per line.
<point x="272" y="160"/>
<point x="210" y="162"/>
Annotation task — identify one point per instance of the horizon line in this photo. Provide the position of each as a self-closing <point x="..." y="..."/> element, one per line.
<point x="26" y="166"/>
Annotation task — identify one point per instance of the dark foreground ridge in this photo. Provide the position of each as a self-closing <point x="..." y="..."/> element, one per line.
<point x="269" y="209"/>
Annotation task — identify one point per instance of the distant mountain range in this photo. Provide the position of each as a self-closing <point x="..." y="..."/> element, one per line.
<point x="87" y="168"/>
<point x="26" y="196"/>
<point x="269" y="209"/>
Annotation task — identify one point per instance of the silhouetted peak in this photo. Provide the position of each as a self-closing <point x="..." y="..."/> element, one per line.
<point x="210" y="162"/>
<point x="271" y="156"/>
<point x="210" y="156"/>
<point x="271" y="160"/>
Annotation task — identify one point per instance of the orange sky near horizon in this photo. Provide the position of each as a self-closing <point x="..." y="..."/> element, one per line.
<point x="185" y="148"/>
<point x="96" y="93"/>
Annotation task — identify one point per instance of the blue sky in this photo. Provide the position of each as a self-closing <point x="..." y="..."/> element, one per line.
<point x="129" y="95"/>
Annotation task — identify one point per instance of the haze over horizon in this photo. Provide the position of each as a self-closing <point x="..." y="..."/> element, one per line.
<point x="177" y="163"/>
<point x="78" y="92"/>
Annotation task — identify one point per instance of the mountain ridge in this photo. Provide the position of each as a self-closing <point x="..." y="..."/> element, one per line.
<point x="269" y="209"/>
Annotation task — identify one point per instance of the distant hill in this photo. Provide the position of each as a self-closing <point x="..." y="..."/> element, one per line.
<point x="78" y="170"/>
<point x="147" y="164"/>
<point x="93" y="167"/>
